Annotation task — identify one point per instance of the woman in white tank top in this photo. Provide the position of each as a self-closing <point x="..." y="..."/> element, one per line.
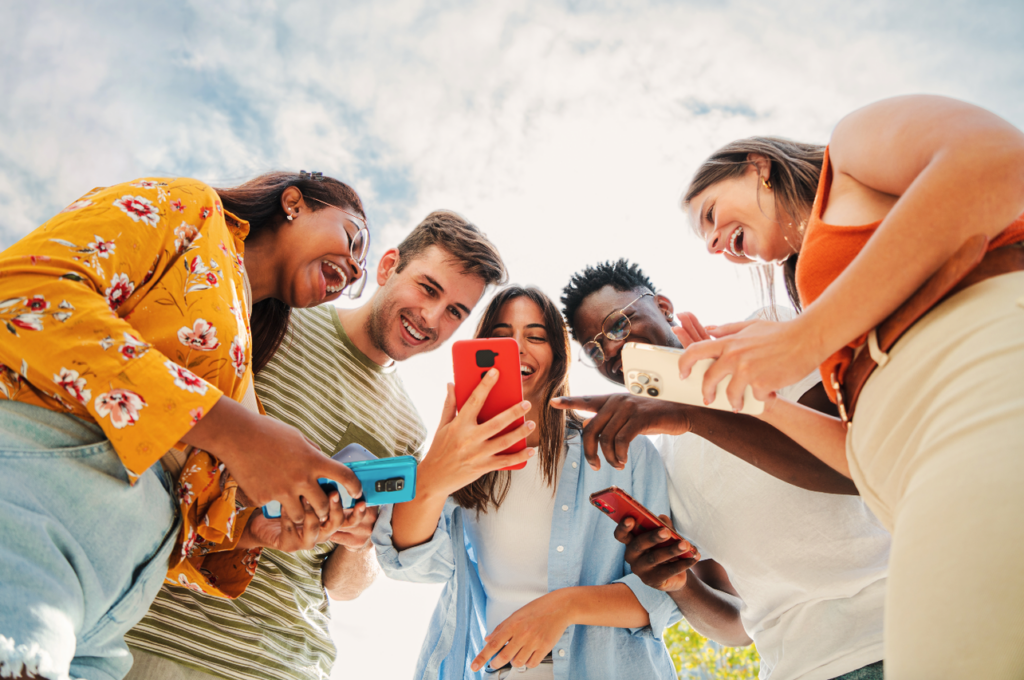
<point x="535" y="577"/>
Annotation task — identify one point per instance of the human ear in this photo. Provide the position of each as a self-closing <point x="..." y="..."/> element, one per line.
<point x="291" y="201"/>
<point x="666" y="308"/>
<point x="388" y="264"/>
<point x="761" y="163"/>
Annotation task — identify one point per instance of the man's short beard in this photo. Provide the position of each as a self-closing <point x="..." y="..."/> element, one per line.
<point x="376" y="327"/>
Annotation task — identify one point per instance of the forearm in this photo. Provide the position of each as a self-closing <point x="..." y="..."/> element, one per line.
<point x="764" y="446"/>
<point x="414" y="522"/>
<point x="958" y="172"/>
<point x="821" y="434"/>
<point x="611" y="605"/>
<point x="712" y="613"/>
<point x="347" y="573"/>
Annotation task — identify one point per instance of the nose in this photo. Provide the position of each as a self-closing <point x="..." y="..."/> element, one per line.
<point x="357" y="270"/>
<point x="714" y="241"/>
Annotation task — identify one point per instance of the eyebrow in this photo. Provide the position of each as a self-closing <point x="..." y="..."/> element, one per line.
<point x="529" y="325"/>
<point x="440" y="289"/>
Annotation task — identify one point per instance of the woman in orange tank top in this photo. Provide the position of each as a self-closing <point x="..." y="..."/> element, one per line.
<point x="935" y="444"/>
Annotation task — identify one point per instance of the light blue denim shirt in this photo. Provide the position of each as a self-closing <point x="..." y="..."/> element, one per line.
<point x="583" y="552"/>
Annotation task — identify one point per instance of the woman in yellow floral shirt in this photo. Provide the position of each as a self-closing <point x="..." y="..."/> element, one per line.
<point x="126" y="353"/>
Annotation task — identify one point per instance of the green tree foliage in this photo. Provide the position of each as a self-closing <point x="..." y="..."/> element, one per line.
<point x="696" y="657"/>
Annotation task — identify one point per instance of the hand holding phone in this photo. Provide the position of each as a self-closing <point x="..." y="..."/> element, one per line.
<point x="384" y="480"/>
<point x="653" y="371"/>
<point x="471" y="360"/>
<point x="619" y="505"/>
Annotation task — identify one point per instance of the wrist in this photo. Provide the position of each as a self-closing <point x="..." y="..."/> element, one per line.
<point x="430" y="482"/>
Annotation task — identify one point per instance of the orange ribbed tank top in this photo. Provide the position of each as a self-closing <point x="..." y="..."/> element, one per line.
<point x="828" y="249"/>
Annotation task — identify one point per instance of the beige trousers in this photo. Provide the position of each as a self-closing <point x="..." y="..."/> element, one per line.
<point x="937" y="450"/>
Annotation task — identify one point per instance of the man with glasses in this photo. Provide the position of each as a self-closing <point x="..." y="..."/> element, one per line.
<point x="334" y="378"/>
<point x="800" y="573"/>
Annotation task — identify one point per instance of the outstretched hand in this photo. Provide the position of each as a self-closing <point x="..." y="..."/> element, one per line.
<point x="766" y="355"/>
<point x="288" y="536"/>
<point x="619" y="419"/>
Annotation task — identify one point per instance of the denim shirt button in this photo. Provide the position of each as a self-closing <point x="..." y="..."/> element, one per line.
<point x="565" y="508"/>
<point x="574" y="464"/>
<point x="560" y="548"/>
<point x="561" y="652"/>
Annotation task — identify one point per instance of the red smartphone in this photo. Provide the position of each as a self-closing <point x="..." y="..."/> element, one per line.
<point x="619" y="505"/>
<point x="472" y="359"/>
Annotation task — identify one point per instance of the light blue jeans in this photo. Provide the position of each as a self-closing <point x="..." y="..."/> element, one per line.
<point x="82" y="553"/>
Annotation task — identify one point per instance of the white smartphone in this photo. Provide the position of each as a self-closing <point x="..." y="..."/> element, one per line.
<point x="652" y="371"/>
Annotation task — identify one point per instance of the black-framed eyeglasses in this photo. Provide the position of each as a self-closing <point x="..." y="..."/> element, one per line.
<point x="616" y="326"/>
<point x="358" y="248"/>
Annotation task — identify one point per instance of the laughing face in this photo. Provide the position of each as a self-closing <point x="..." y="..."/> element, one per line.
<point x="522" y="319"/>
<point x="649" y="320"/>
<point x="420" y="307"/>
<point x="314" y="258"/>
<point x="737" y="218"/>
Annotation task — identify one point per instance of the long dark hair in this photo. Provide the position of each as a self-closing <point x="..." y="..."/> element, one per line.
<point x="258" y="202"/>
<point x="491" y="489"/>
<point x="794" y="174"/>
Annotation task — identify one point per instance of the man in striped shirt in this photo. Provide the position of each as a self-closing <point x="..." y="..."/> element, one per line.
<point x="334" y="378"/>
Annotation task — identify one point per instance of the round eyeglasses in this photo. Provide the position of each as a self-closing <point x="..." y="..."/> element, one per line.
<point x="616" y="326"/>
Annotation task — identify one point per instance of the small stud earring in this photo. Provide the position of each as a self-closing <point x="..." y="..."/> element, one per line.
<point x="291" y="218"/>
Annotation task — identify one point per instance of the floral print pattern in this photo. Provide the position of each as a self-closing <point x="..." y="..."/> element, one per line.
<point x="117" y="310"/>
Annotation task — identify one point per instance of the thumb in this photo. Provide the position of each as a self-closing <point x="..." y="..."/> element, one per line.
<point x="339" y="472"/>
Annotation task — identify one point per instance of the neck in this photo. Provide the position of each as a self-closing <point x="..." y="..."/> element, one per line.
<point x="533" y="439"/>
<point x="356" y="323"/>
<point x="259" y="267"/>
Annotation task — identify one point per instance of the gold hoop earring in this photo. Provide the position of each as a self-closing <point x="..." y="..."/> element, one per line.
<point x="766" y="182"/>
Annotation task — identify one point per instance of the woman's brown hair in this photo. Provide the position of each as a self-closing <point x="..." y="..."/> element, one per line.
<point x="258" y="202"/>
<point x="794" y="174"/>
<point x="491" y="489"/>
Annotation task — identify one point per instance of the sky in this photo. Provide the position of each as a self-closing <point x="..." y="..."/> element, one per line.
<point x="566" y="130"/>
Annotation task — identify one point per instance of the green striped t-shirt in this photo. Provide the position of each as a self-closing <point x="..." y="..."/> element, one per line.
<point x="322" y="384"/>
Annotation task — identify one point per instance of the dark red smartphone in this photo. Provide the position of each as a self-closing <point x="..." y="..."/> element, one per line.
<point x="472" y="359"/>
<point x="619" y="505"/>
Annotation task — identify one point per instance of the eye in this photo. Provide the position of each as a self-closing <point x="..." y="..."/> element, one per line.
<point x="429" y="290"/>
<point x="454" y="311"/>
<point x="711" y="215"/>
<point x="537" y="338"/>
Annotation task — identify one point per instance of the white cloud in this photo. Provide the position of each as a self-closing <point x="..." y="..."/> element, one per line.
<point x="565" y="130"/>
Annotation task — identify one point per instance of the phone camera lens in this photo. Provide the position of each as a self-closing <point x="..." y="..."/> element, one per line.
<point x="653" y="391"/>
<point x="379" y="486"/>
<point x="636" y="388"/>
<point x="399" y="484"/>
<point x="485" y="358"/>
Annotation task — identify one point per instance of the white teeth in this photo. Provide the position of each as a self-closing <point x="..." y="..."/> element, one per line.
<point x="331" y="290"/>
<point x="732" y="242"/>
<point x="412" y="331"/>
<point x="526" y="370"/>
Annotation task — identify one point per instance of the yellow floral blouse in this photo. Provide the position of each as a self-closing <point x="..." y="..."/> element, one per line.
<point x="127" y="310"/>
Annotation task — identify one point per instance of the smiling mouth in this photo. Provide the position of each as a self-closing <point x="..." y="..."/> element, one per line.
<point x="413" y="331"/>
<point x="736" y="243"/>
<point x="526" y="371"/>
<point x="334" y="276"/>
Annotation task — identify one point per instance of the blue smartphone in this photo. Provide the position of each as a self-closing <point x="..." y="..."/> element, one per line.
<point x="384" y="480"/>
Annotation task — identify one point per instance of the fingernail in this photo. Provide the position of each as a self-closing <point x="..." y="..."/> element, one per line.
<point x="492" y="372"/>
<point x="594" y="468"/>
<point x="525" y="405"/>
<point x="662" y="534"/>
<point x="706" y="401"/>
<point x="530" y="425"/>
<point x="556" y="400"/>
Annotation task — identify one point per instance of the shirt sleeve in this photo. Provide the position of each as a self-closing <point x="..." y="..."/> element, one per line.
<point x="430" y="562"/>
<point x="68" y="292"/>
<point x="650" y="487"/>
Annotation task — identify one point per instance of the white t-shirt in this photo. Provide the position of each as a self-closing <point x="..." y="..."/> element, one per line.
<point x="512" y="543"/>
<point x="810" y="567"/>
